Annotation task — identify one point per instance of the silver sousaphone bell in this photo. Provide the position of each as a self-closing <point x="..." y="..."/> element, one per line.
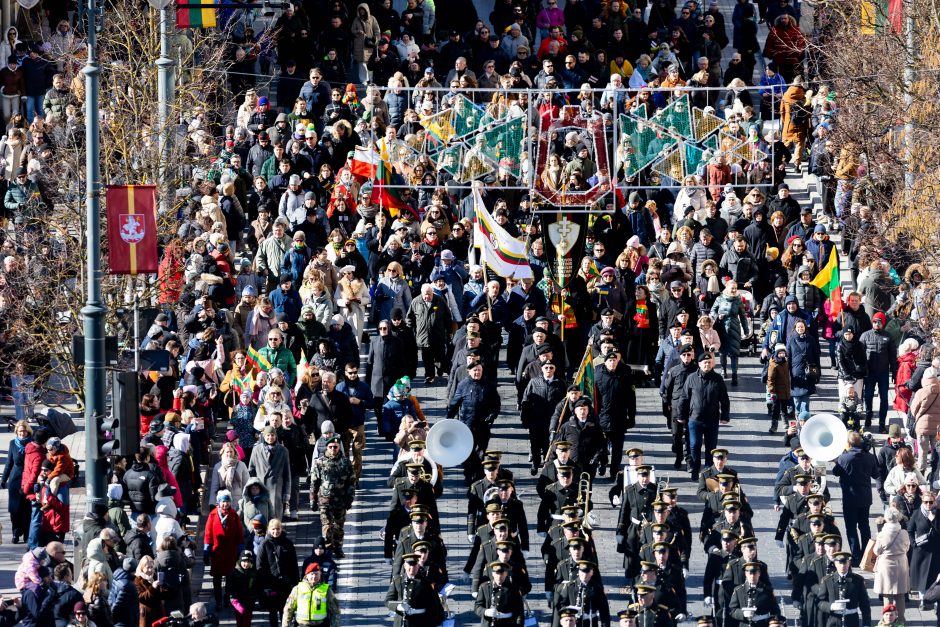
<point x="449" y="442"/>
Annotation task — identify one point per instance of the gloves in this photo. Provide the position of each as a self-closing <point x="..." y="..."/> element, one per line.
<point x="239" y="608"/>
<point x="525" y="554"/>
<point x="748" y="611"/>
<point x="709" y="601"/>
<point x="3" y="485"/>
<point x="206" y="557"/>
<point x="615" y="501"/>
<point x="779" y="543"/>
<point x="685" y="573"/>
<point x="490" y="612"/>
<point x="839" y="605"/>
<point x="470" y="538"/>
<point x="473" y="594"/>
<point x="400" y="608"/>
<point x="680" y="617"/>
<point x="771" y="398"/>
<point x="619" y="538"/>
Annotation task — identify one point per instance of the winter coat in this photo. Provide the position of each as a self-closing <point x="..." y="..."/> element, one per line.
<point x="364" y="31"/>
<point x="13" y="475"/>
<point x="880" y="350"/>
<point x="277" y="559"/>
<point x="729" y="313"/>
<point x="385" y="364"/>
<point x="891" y="566"/>
<point x="705" y="398"/>
<point x="97" y="560"/>
<point x="176" y="593"/>
<point x="475" y="403"/>
<point x="792" y="133"/>
<point x="125" y="607"/>
<point x="33" y="457"/>
<point x="429" y="321"/>
<point x="151" y="602"/>
<point x="224" y="541"/>
<point x="251" y="506"/>
<point x="803" y="352"/>
<point x="850" y="360"/>
<point x="142" y="484"/>
<point x="616" y="399"/>
<point x="855" y="469"/>
<point x="742" y="267"/>
<point x="239" y="479"/>
<point x="778" y="379"/>
<point x="272" y="465"/>
<point x="160" y="455"/>
<point x="925" y="408"/>
<point x="390" y="294"/>
<point x="242" y="587"/>
<point x="906" y="365"/>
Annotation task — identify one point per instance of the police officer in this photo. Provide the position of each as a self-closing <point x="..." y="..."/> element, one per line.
<point x="312" y="602"/>
<point x="334" y="485"/>
<point x="843" y="599"/>
<point x="753" y="602"/>
<point x="499" y="601"/>
<point x="412" y="597"/>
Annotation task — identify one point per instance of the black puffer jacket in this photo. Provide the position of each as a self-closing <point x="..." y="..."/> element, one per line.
<point x="851" y="360"/>
<point x="616" y="399"/>
<point x="540" y="399"/>
<point x="880" y="350"/>
<point x="142" y="484"/>
<point x="588" y="444"/>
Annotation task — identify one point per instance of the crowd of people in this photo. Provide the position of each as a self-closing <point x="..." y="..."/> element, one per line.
<point x="297" y="307"/>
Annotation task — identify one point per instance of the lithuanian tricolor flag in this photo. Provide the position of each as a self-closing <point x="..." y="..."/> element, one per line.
<point x="386" y="196"/>
<point x="257" y="360"/>
<point x="831" y="285"/>
<point x="878" y="15"/>
<point x="196" y="17"/>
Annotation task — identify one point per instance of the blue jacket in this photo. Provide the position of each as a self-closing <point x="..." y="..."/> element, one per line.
<point x="475" y="403"/>
<point x="287" y="303"/>
<point x="295" y="262"/>
<point x="125" y="608"/>
<point x="855" y="469"/>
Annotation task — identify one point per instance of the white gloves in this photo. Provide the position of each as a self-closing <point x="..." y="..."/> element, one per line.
<point x="839" y="605"/>
<point x="709" y="601"/>
<point x="470" y="538"/>
<point x="490" y="612"/>
<point x="619" y="538"/>
<point x="473" y="594"/>
<point x="400" y="608"/>
<point x="779" y="543"/>
<point x="616" y="501"/>
<point x="685" y="573"/>
<point x="680" y="617"/>
<point x="525" y="554"/>
<point x="748" y="611"/>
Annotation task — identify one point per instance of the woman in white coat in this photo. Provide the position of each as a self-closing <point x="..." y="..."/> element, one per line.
<point x="892" y="573"/>
<point x="352" y="299"/>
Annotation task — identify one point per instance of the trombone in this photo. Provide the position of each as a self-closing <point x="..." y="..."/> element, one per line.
<point x="584" y="499"/>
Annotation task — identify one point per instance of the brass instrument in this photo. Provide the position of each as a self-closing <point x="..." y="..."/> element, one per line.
<point x="712" y="484"/>
<point x="584" y="499"/>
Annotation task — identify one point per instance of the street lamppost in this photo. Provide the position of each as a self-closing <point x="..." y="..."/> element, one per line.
<point x="165" y="96"/>
<point x="93" y="312"/>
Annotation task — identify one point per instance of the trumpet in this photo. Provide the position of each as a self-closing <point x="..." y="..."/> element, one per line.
<point x="584" y="498"/>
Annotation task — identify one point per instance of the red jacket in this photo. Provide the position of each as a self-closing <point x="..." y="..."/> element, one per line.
<point x="32" y="464"/>
<point x="224" y="543"/>
<point x="55" y="513"/>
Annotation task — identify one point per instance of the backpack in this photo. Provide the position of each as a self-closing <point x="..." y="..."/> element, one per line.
<point x="799" y="115"/>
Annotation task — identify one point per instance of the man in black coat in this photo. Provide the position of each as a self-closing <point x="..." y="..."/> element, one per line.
<point x="412" y="598"/>
<point x="856" y="468"/>
<point x="330" y="404"/>
<point x="142" y="483"/>
<point x="616" y="401"/>
<point x="384" y="367"/>
<point x="679" y="299"/>
<point x="541" y="396"/>
<point x="476" y="403"/>
<point x="429" y="318"/>
<point x="671" y="392"/>
<point x="704" y="406"/>
<point x="585" y="437"/>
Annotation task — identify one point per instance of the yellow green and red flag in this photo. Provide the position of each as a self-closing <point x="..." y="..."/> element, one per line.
<point x="257" y="360"/>
<point x="203" y="16"/>
<point x="830" y="283"/>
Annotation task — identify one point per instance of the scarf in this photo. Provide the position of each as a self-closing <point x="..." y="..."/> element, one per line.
<point x="21" y="443"/>
<point x="642" y="315"/>
<point x="227" y="471"/>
